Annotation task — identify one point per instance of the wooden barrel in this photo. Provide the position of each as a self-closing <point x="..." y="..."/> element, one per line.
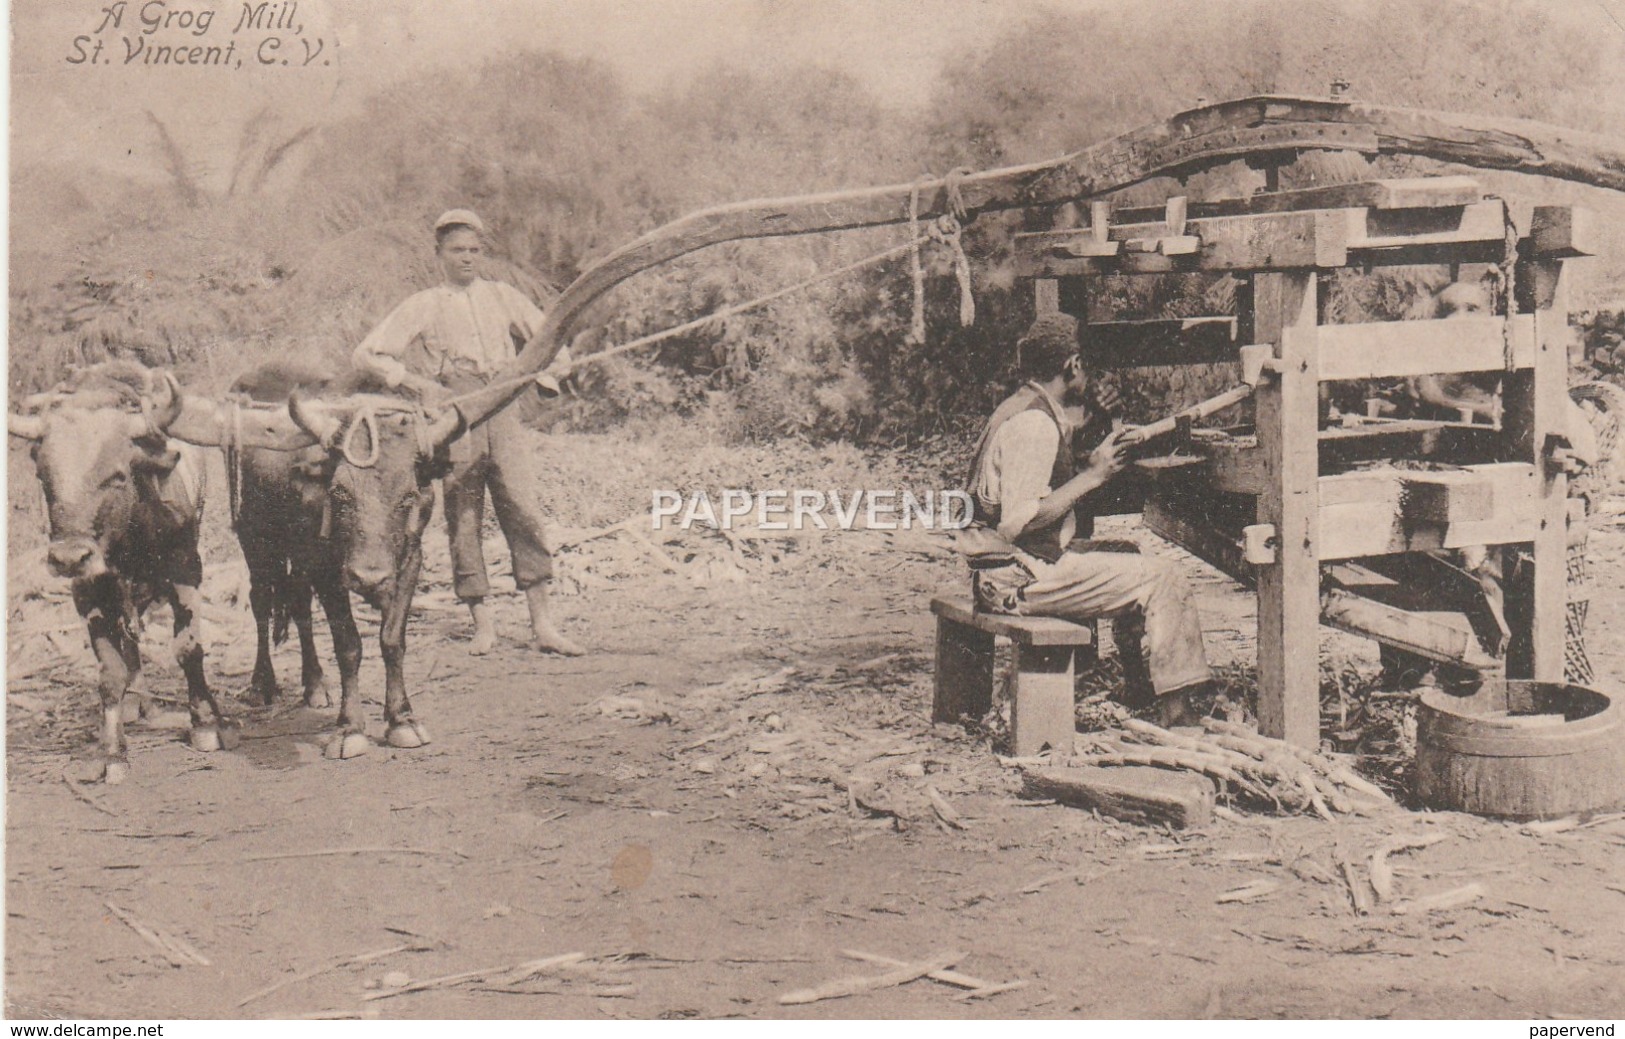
<point x="1522" y="750"/>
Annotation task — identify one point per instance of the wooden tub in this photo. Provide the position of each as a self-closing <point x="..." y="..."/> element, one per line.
<point x="1523" y="750"/>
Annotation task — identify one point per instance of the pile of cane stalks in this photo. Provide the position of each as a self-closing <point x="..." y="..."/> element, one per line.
<point x="1249" y="769"/>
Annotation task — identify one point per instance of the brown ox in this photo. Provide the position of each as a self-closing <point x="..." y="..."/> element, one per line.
<point x="382" y="456"/>
<point x="124" y="505"/>
<point x="278" y="500"/>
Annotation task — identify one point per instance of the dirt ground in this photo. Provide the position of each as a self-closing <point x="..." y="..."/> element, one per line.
<point x="713" y="806"/>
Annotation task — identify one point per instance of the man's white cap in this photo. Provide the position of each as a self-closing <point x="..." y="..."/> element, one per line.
<point x="455" y="217"/>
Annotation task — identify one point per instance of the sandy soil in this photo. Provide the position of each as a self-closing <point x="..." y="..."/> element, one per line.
<point x="728" y="793"/>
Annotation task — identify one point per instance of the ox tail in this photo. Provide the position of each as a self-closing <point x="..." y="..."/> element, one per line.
<point x="285" y="588"/>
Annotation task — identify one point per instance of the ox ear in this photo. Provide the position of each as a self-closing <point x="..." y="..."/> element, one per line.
<point x="28" y="427"/>
<point x="314" y="417"/>
<point x="447" y="426"/>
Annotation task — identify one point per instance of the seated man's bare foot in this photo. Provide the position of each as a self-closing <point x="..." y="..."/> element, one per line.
<point x="550" y="640"/>
<point x="1175" y="709"/>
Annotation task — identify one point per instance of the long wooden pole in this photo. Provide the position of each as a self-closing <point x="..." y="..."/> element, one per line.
<point x="1178" y="146"/>
<point x="1185" y="143"/>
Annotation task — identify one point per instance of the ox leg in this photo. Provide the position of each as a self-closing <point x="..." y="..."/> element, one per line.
<point x="401" y="729"/>
<point x="217" y="731"/>
<point x="107" y="641"/>
<point x="262" y="598"/>
<point x="352" y="738"/>
<point x="137" y="701"/>
<point x="310" y="665"/>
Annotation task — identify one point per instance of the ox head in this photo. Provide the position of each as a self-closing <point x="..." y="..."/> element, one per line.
<point x="382" y="458"/>
<point x="98" y="441"/>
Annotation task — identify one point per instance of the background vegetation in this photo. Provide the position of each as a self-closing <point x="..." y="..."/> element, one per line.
<point x="322" y="227"/>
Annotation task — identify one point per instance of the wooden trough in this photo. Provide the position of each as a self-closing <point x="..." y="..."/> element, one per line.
<point x="1521" y="750"/>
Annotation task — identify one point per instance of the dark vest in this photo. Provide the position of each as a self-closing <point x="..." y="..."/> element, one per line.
<point x="1046" y="543"/>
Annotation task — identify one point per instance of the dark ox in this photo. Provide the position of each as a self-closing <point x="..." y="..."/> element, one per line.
<point x="124" y="504"/>
<point x="278" y="502"/>
<point x="382" y="454"/>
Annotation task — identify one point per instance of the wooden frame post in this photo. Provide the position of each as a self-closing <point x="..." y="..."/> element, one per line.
<point x="1287" y="409"/>
<point x="1536" y="403"/>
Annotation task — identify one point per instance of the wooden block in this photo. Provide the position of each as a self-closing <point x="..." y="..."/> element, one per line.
<point x="1041" y="712"/>
<point x="1402" y="193"/>
<point x="1234" y="468"/>
<point x="1563" y="231"/>
<point x="1024" y="631"/>
<point x="1132" y="793"/>
<point x="1365" y="513"/>
<point x="1270" y="241"/>
<point x="964" y="679"/>
<point x="1448" y="497"/>
<point x="1442" y="637"/>
<point x="1388" y="349"/>
<point x="1176" y="521"/>
<point x="1378" y="229"/>
<point x="1411" y="438"/>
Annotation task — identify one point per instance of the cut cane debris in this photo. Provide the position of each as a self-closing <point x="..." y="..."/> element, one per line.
<point x="507" y="974"/>
<point x="1382" y="875"/>
<point x="1258" y="889"/>
<point x="177" y="950"/>
<point x="842" y="987"/>
<point x="1452" y="899"/>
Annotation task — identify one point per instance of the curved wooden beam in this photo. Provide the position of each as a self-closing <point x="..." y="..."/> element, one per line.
<point x="1186" y="143"/>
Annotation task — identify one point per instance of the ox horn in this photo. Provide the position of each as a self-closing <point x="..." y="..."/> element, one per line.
<point x="159" y="409"/>
<point x="29" y="427"/>
<point x="314" y="418"/>
<point x="447" y="426"/>
<point x="166" y="402"/>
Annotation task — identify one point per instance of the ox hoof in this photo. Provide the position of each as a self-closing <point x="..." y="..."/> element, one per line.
<point x="317" y="696"/>
<point x="264" y="693"/>
<point x="115" y="772"/>
<point x="130" y="709"/>
<point x="230" y="735"/>
<point x="347" y="746"/>
<point x="407" y="735"/>
<point x="210" y="738"/>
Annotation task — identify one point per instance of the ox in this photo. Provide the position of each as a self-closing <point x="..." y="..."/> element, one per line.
<point x="278" y="499"/>
<point x="382" y="454"/>
<point x="124" y="507"/>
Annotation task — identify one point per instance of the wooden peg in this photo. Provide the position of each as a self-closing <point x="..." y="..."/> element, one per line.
<point x="1258" y="544"/>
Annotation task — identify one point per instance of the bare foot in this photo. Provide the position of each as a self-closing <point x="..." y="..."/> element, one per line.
<point x="485" y="630"/>
<point x="550" y="640"/>
<point x="1175" y="710"/>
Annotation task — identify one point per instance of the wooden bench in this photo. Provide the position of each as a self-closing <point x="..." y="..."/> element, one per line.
<point x="1041" y="712"/>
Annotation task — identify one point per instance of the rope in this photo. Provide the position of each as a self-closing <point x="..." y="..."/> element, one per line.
<point x="688" y="326"/>
<point x="364" y="418"/>
<point x="946" y="231"/>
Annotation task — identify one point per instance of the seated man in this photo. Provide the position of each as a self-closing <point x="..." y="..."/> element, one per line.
<point x="1026" y="487"/>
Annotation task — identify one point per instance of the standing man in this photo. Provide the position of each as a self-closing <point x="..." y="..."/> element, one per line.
<point x="451" y="339"/>
<point x="1027" y="488"/>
